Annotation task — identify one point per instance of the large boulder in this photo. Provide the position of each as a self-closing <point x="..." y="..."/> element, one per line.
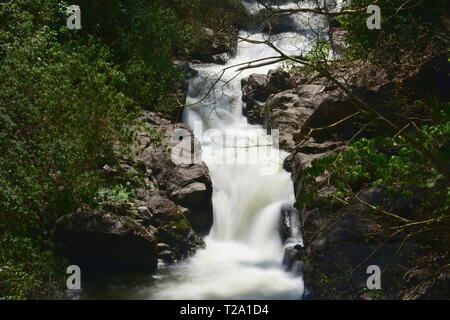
<point x="100" y="240"/>
<point x="186" y="183"/>
<point x="171" y="186"/>
<point x="255" y="89"/>
<point x="173" y="230"/>
<point x="191" y="187"/>
<point x="279" y="80"/>
<point x="214" y="47"/>
<point x="279" y="101"/>
<point x="254" y="93"/>
<point x="286" y="112"/>
<point x="332" y="108"/>
<point x="342" y="242"/>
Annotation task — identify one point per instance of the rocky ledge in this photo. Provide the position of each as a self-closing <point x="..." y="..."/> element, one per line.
<point x="171" y="206"/>
<point x="340" y="240"/>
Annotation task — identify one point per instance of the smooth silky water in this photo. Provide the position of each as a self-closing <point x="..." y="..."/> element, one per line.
<point x="243" y="254"/>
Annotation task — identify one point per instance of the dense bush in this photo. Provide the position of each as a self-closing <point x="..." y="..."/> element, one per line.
<point x="415" y="24"/>
<point x="62" y="108"/>
<point x="67" y="98"/>
<point x="395" y="166"/>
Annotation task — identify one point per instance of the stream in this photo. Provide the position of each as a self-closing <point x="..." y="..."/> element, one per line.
<point x="243" y="257"/>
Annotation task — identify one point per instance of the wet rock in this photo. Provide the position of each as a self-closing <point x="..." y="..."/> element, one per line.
<point x="427" y="283"/>
<point x="292" y="238"/>
<point x="284" y="112"/>
<point x="279" y="80"/>
<point x="254" y="93"/>
<point x="173" y="228"/>
<point x="254" y="113"/>
<point x="166" y="256"/>
<point x="290" y="224"/>
<point x="332" y="109"/>
<point x="221" y="58"/>
<point x="186" y="184"/>
<point x="214" y="47"/>
<point x="100" y="240"/>
<point x="255" y="89"/>
<point x="337" y="37"/>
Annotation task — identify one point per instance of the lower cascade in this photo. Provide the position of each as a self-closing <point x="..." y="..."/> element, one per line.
<point x="245" y="256"/>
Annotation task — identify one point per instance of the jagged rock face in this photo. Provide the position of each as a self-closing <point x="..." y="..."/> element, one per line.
<point x="335" y="238"/>
<point x="343" y="246"/>
<point x="278" y="101"/>
<point x="174" y="233"/>
<point x="257" y="89"/>
<point x="279" y="80"/>
<point x="254" y="90"/>
<point x="215" y="47"/>
<point x="172" y="209"/>
<point x="100" y="240"/>
<point x="187" y="185"/>
<point x="285" y="112"/>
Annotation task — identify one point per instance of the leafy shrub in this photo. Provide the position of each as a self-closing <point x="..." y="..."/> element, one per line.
<point x="68" y="99"/>
<point x="405" y="29"/>
<point x="29" y="269"/>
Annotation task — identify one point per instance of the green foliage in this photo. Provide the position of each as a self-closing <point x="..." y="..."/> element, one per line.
<point x="68" y="102"/>
<point x="396" y="167"/>
<point x="405" y="29"/>
<point x="143" y="37"/>
<point x="28" y="269"/>
<point x="62" y="110"/>
<point x="385" y="162"/>
<point x="118" y="193"/>
<point x="115" y="198"/>
<point x="319" y="53"/>
<point x="316" y="57"/>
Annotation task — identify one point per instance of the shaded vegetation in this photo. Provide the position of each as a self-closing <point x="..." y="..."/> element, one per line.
<point x="67" y="98"/>
<point x="410" y="31"/>
<point x="406" y="66"/>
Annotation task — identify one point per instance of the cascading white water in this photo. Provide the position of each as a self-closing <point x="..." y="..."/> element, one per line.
<point x="243" y="254"/>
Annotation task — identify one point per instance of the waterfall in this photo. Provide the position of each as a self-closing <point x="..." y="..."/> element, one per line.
<point x="243" y="257"/>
